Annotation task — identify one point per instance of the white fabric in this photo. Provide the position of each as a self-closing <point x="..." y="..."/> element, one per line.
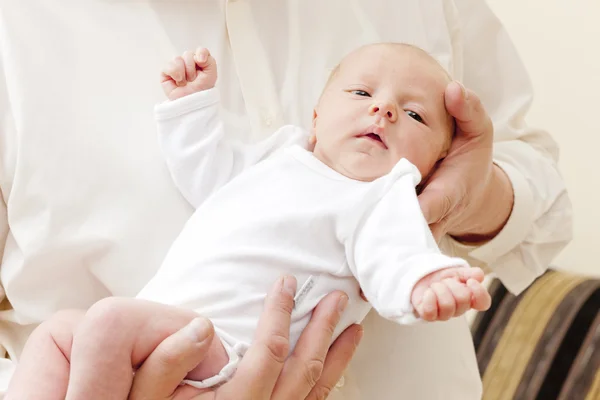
<point x="273" y="208"/>
<point x="91" y="209"/>
<point x="234" y="354"/>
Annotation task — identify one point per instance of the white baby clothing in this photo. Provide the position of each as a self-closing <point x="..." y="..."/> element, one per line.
<point x="272" y="208"/>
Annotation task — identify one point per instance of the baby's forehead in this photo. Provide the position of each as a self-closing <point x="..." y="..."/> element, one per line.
<point x="374" y="56"/>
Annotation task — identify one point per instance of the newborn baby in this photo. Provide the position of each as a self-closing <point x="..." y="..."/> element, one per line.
<point x="335" y="206"/>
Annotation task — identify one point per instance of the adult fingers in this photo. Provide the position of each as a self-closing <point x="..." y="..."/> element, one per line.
<point x="260" y="368"/>
<point x="338" y="358"/>
<point x="162" y="372"/>
<point x="468" y="111"/>
<point x="303" y="368"/>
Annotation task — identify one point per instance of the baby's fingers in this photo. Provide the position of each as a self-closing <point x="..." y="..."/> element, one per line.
<point x="190" y="65"/>
<point x="445" y="300"/>
<point x="480" y="298"/>
<point x="465" y="273"/>
<point x="202" y="57"/>
<point x="175" y="71"/>
<point x="462" y="296"/>
<point x="428" y="309"/>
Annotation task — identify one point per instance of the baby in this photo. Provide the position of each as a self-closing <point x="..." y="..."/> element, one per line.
<point x="336" y="207"/>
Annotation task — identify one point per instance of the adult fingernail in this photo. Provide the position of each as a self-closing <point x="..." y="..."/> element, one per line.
<point x="342" y="303"/>
<point x="289" y="285"/>
<point x="464" y="90"/>
<point x="358" y="337"/>
<point x="199" y="329"/>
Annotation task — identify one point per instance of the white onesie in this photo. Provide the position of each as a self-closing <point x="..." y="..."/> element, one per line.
<point x="272" y="208"/>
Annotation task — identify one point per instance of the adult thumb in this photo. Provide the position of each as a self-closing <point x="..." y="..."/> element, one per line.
<point x="162" y="372"/>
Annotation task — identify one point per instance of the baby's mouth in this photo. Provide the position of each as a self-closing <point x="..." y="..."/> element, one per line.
<point x="375" y="133"/>
<point x="374" y="136"/>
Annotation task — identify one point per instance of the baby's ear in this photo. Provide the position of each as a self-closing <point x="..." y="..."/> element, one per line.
<point x="312" y="139"/>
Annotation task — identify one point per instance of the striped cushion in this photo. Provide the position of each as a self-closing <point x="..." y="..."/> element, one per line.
<point x="543" y="344"/>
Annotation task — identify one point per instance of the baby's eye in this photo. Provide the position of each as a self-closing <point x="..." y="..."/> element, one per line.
<point x="360" y="93"/>
<point x="414" y="116"/>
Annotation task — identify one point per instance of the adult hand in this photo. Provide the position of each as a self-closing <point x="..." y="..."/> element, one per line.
<point x="265" y="372"/>
<point x="468" y="196"/>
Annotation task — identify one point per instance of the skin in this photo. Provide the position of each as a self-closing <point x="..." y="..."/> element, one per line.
<point x="411" y="125"/>
<point x="467" y="196"/>
<point x="398" y="93"/>
<point x="310" y="372"/>
<point x="396" y="90"/>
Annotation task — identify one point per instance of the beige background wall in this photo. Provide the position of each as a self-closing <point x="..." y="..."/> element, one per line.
<point x="559" y="41"/>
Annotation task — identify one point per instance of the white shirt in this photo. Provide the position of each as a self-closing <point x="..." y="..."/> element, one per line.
<point x="89" y="209"/>
<point x="272" y="208"/>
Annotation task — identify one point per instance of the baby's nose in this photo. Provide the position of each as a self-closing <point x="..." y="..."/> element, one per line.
<point x="386" y="110"/>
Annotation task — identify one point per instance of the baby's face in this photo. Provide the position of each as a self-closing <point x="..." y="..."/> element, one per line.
<point x="385" y="102"/>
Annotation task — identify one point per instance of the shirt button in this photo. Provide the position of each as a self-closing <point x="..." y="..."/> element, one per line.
<point x="341" y="382"/>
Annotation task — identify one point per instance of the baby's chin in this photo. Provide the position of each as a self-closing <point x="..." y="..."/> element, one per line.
<point x="362" y="166"/>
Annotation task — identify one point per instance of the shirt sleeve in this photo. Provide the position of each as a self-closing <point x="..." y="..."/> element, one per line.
<point x="199" y="156"/>
<point x="392" y="248"/>
<point x="540" y="225"/>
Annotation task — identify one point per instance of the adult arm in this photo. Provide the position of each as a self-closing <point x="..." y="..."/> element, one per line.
<point x="503" y="202"/>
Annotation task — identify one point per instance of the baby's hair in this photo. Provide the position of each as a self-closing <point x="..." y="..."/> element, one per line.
<point x="336" y="69"/>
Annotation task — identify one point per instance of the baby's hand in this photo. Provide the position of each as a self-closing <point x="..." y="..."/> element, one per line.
<point x="449" y="293"/>
<point x="190" y="73"/>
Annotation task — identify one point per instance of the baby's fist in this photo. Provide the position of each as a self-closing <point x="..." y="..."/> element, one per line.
<point x="450" y="293"/>
<point x="193" y="72"/>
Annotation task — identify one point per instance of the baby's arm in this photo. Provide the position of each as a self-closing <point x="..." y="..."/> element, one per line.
<point x="191" y="133"/>
<point x="392" y="252"/>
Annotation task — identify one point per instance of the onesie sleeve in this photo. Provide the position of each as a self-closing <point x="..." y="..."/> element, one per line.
<point x="391" y="247"/>
<point x="198" y="155"/>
